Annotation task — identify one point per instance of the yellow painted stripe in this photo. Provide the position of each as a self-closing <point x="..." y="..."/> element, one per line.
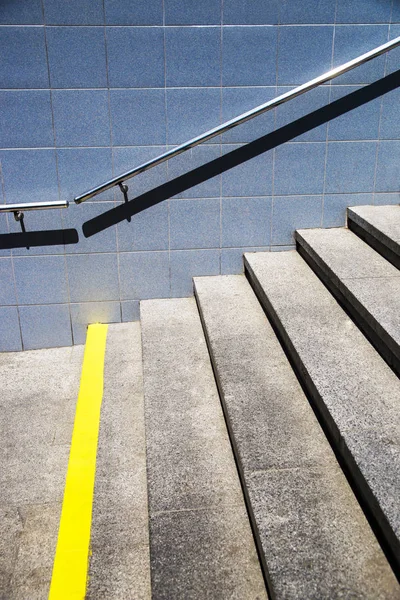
<point x="72" y="554"/>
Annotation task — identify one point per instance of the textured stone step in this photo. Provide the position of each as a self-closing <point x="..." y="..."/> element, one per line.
<point x="356" y="393"/>
<point x="296" y="490"/>
<point x="120" y="561"/>
<point x="366" y="284"/>
<point x="201" y="544"/>
<point x="380" y="227"/>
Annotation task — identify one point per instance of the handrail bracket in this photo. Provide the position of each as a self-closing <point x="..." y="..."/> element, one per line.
<point x="124" y="189"/>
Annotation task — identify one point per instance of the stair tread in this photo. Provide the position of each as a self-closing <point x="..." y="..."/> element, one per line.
<point x="198" y="519"/>
<point x="120" y="515"/>
<point x="294" y="484"/>
<point x="366" y="281"/>
<point x="381" y="227"/>
<point x="356" y="391"/>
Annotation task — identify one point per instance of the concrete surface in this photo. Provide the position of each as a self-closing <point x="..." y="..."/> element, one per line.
<point x="380" y="227"/>
<point x="39" y="390"/>
<point x="366" y="284"/>
<point x="200" y="536"/>
<point x="357" y="394"/>
<point x="313" y="535"/>
<point x="120" y="562"/>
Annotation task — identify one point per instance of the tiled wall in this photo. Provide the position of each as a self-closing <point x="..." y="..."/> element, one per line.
<point x="90" y="88"/>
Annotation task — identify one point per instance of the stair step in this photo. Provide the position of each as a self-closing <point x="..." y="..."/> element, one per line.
<point x="362" y="280"/>
<point x="380" y="227"/>
<point x="295" y="488"/>
<point x="355" y="392"/>
<point x="201" y="543"/>
<point x="120" y="560"/>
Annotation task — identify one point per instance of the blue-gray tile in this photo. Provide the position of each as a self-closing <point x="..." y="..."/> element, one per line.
<point x="29" y="175"/>
<point x="280" y="248"/>
<point x="7" y="289"/>
<point x="138" y="117"/>
<point x="387" y="198"/>
<point x="335" y="207"/>
<point x="388" y="172"/>
<point x="195" y="223"/>
<point x="4" y="230"/>
<point x="10" y="334"/>
<point x="353" y="40"/>
<point x="86" y="313"/>
<point x="25" y="119"/>
<point x="134" y="12"/>
<point x="395" y="14"/>
<point x="191" y="112"/>
<point x="299" y="168"/>
<point x="186" y="264"/>
<point x="73" y="12"/>
<point x="40" y="279"/>
<point x="45" y="326"/>
<point x="127" y="157"/>
<point x="294" y="12"/>
<point x="81" y="169"/>
<point x="23" y="58"/>
<point x="93" y="277"/>
<point x="361" y="123"/>
<point x="45" y="221"/>
<point x="136" y="56"/>
<point x="393" y="57"/>
<point x="190" y="160"/>
<point x="303" y="53"/>
<point x="232" y="259"/>
<point x="350" y="167"/>
<point x="193" y="56"/>
<point x="250" y="178"/>
<point x="144" y="275"/>
<point x="130" y="311"/>
<point x="236" y="101"/>
<point x="363" y="11"/>
<point x="256" y="12"/>
<point x="249" y="56"/>
<point x="77" y="57"/>
<point x="147" y="230"/>
<point x="294" y="212"/>
<point x="81" y="118"/>
<point x="77" y="215"/>
<point x="390" y="122"/>
<point x="246" y="222"/>
<point x="300" y="107"/>
<point x="21" y="13"/>
<point x="180" y="12"/>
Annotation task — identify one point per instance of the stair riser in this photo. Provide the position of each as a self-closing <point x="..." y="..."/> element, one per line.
<point x="377" y="519"/>
<point x="374" y="242"/>
<point x="384" y="344"/>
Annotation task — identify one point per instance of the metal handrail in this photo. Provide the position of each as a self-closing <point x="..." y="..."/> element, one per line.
<point x="33" y="206"/>
<point x="19" y="209"/>
<point x="255" y="112"/>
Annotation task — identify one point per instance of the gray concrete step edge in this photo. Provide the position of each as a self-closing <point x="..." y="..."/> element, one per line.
<point x="375" y="512"/>
<point x="373" y="329"/>
<point x="278" y="442"/>
<point x="201" y="543"/>
<point x="373" y="236"/>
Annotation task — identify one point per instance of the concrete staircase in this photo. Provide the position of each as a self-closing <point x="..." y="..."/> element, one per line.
<point x="268" y="422"/>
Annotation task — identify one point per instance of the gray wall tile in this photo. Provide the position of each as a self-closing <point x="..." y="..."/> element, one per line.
<point x="93" y="277"/>
<point x="46" y="326"/>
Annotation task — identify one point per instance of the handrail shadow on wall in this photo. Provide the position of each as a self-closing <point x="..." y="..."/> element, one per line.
<point x="30" y="239"/>
<point x="236" y="157"/>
